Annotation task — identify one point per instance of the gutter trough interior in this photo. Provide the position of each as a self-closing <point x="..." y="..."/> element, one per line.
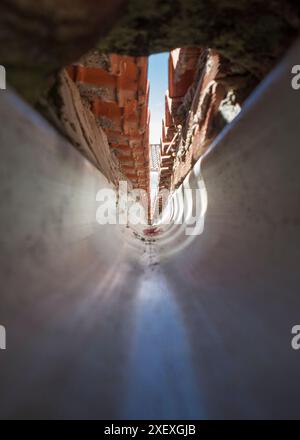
<point x="103" y="325"/>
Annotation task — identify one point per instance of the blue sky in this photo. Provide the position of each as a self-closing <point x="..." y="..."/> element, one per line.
<point x="158" y="77"/>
